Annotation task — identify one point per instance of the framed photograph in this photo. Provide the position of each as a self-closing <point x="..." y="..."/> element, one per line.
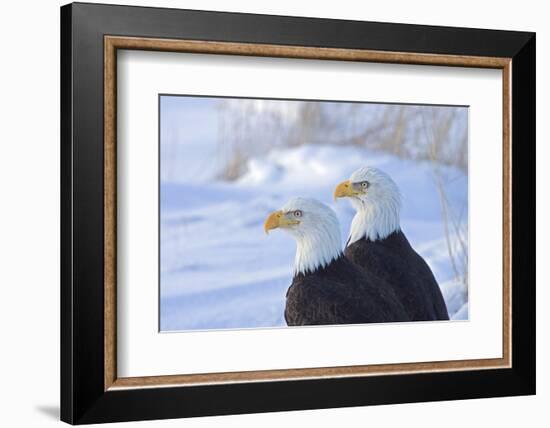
<point x="266" y="213"/>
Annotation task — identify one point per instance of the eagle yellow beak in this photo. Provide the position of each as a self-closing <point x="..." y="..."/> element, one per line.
<point x="344" y="189"/>
<point x="277" y="219"/>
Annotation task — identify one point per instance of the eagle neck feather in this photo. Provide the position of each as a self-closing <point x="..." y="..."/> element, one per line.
<point x="317" y="248"/>
<point x="375" y="220"/>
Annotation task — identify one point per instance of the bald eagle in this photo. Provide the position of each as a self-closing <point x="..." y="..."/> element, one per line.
<point x="327" y="288"/>
<point x="377" y="244"/>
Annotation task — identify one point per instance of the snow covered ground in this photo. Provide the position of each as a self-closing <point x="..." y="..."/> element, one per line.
<point x="219" y="269"/>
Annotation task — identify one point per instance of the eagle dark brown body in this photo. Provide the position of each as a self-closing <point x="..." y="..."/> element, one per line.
<point x="394" y="261"/>
<point x="341" y="293"/>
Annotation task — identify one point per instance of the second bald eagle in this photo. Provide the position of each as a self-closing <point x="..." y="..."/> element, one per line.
<point x="377" y="244"/>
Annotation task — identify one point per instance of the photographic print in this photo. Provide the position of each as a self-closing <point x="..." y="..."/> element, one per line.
<point x="278" y="213"/>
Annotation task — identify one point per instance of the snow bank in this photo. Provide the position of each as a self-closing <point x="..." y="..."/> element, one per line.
<point x="218" y="268"/>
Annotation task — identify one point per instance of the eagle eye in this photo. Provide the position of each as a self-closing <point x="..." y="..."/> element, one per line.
<point x="297" y="213"/>
<point x="365" y="184"/>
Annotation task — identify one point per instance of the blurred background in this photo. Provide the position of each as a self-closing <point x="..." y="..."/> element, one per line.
<point x="225" y="163"/>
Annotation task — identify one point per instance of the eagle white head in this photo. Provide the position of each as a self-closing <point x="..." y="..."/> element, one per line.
<point x="377" y="200"/>
<point x="315" y="228"/>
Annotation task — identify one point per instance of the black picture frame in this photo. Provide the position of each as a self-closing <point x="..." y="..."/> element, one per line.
<point x="83" y="398"/>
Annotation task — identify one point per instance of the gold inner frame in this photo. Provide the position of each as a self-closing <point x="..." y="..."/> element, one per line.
<point x="112" y="43"/>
